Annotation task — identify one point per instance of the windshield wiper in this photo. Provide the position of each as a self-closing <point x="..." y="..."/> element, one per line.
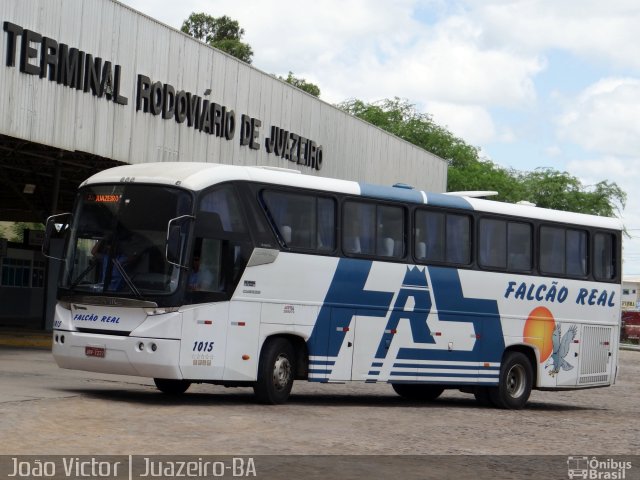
<point x="126" y="278"/>
<point x="92" y="264"/>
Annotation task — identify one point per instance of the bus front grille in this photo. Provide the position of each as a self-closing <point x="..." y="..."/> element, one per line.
<point x="119" y="333"/>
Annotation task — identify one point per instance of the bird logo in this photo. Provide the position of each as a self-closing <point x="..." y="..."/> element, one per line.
<point x="561" y="345"/>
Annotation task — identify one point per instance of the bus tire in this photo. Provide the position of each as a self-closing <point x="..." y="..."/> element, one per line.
<point x="514" y="386"/>
<point x="276" y="371"/>
<point x="418" y="392"/>
<point x="172" y="387"/>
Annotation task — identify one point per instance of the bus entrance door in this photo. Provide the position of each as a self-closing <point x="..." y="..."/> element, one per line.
<point x="341" y="339"/>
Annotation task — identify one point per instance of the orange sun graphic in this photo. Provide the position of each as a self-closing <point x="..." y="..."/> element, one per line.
<point x="538" y="330"/>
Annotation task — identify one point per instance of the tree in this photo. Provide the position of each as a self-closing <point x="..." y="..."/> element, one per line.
<point x="401" y="118"/>
<point x="545" y="187"/>
<point x="16" y="230"/>
<point x="551" y="188"/>
<point x="222" y="33"/>
<point x="302" y="84"/>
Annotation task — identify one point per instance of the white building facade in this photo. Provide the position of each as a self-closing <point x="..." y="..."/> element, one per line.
<point x="96" y="76"/>
<point x="631" y="293"/>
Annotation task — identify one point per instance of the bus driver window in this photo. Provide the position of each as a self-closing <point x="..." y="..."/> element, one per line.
<point x="205" y="272"/>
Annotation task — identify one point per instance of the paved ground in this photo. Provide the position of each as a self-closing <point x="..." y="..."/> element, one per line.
<point x="47" y="410"/>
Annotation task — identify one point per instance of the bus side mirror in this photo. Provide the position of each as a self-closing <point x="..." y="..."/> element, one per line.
<point x="57" y="226"/>
<point x="176" y="240"/>
<point x="174" y="245"/>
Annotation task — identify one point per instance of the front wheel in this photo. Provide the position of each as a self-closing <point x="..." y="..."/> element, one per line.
<point x="514" y="386"/>
<point x="172" y="387"/>
<point x="418" y="392"/>
<point x="275" y="372"/>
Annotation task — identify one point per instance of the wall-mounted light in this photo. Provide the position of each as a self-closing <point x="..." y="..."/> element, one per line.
<point x="29" y="188"/>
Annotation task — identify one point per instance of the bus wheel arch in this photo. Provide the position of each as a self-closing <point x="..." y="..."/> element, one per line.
<point x="301" y="356"/>
<point x="516" y="379"/>
<point x="533" y="355"/>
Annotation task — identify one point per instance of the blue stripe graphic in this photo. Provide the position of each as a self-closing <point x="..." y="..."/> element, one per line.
<point x="391" y="193"/>
<point x="449" y="201"/>
<point x="414" y="286"/>
<point x="453" y="306"/>
<point x="346" y="289"/>
<point x="452" y="367"/>
<point x="427" y="374"/>
<point x="347" y="297"/>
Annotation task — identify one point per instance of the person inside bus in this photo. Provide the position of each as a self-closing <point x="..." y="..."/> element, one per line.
<point x="194" y="273"/>
<point x="204" y="267"/>
<point x="201" y="277"/>
<point x="104" y="251"/>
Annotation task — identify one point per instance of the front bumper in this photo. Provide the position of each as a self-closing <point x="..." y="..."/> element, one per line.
<point x="124" y="355"/>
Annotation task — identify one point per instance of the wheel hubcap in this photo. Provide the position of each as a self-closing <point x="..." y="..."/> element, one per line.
<point x="281" y="372"/>
<point x="516" y="381"/>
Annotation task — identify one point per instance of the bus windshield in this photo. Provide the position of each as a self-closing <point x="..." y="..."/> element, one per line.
<point x="117" y="240"/>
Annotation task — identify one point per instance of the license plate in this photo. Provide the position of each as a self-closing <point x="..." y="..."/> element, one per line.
<point x="95" y="351"/>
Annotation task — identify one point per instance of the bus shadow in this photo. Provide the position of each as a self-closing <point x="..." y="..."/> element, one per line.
<point x="153" y="397"/>
<point x="245" y="397"/>
<point x="444" y="402"/>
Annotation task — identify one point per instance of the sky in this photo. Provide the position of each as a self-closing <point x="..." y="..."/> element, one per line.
<point x="532" y="83"/>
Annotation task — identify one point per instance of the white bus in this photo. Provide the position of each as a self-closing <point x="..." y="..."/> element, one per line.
<point x="249" y="276"/>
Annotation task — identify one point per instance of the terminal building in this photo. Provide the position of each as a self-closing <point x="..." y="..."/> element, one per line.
<point x="91" y="84"/>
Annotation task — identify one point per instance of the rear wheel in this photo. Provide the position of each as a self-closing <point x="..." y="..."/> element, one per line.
<point x="275" y="372"/>
<point x="412" y="391"/>
<point x="516" y="378"/>
<point x="172" y="387"/>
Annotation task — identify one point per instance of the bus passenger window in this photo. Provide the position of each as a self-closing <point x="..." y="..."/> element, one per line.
<point x="458" y="239"/>
<point x="552" y="250"/>
<point x="351" y="244"/>
<point x="302" y="221"/>
<point x="519" y="243"/>
<point x="326" y="234"/>
<point x="493" y="243"/>
<point x="563" y="251"/>
<point x="576" y="253"/>
<point x="390" y="235"/>
<point x="441" y="237"/>
<point x="430" y="230"/>
<point x="359" y="228"/>
<point x="370" y="229"/>
<point x="604" y="256"/>
<point x="505" y="245"/>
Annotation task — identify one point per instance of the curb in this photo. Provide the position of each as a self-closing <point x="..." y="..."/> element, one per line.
<point x="25" y="340"/>
<point x="630" y="347"/>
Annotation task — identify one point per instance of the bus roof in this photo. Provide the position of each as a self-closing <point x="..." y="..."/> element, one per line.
<point x="197" y="176"/>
